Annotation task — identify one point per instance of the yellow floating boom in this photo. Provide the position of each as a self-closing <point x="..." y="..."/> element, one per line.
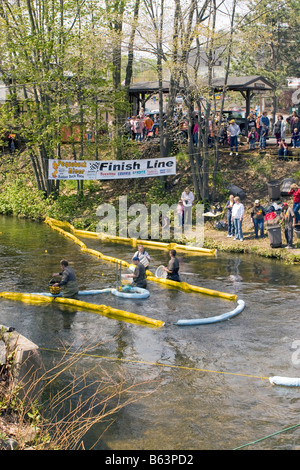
<point x="190" y="288"/>
<point x="133" y="241"/>
<point x="159" y="245"/>
<point x="105" y="310"/>
<point x="56" y="224"/>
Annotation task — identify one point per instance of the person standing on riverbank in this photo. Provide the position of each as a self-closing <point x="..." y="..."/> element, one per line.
<point x="263" y="136"/>
<point x="266" y="121"/>
<point x="187" y="198"/>
<point x="234" y="131"/>
<point x="180" y="213"/>
<point x="237" y="217"/>
<point x="295" y="192"/>
<point x="257" y="217"/>
<point x="252" y="138"/>
<point x="68" y="283"/>
<point x="279" y="129"/>
<point x="289" y="224"/>
<point x="229" y="206"/>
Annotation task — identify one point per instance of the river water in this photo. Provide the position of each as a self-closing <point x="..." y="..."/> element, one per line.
<point x="209" y="390"/>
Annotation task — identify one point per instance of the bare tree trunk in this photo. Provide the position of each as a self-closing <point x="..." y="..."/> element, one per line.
<point x="229" y="54"/>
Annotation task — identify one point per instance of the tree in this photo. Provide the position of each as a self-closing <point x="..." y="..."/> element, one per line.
<point x="44" y="64"/>
<point x="267" y="42"/>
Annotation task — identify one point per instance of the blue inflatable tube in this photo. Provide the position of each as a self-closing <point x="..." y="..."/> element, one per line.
<point x="94" y="292"/>
<point x="81" y="292"/>
<point x="129" y="292"/>
<point x="287" y="381"/>
<point x="225" y="316"/>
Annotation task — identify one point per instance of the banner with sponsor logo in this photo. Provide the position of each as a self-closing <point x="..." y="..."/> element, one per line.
<point x="110" y="169"/>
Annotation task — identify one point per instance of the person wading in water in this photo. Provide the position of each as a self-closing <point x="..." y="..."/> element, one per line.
<point x="173" y="267"/>
<point x="68" y="282"/>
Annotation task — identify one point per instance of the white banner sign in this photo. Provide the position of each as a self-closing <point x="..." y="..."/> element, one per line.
<point x="110" y="169"/>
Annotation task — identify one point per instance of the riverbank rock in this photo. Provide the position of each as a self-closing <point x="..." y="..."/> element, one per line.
<point x="20" y="366"/>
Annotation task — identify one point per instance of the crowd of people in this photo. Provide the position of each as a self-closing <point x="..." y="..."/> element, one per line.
<point x="259" y="130"/>
<point x="142" y="127"/>
<point x="289" y="216"/>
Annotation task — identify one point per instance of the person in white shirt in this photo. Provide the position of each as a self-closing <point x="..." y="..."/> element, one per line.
<point x="237" y="217"/>
<point x="234" y="131"/>
<point x="188" y="199"/>
<point x="142" y="255"/>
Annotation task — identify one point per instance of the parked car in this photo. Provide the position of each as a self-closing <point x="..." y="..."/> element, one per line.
<point x="239" y="117"/>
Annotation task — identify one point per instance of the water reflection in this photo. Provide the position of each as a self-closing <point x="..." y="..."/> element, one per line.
<point x="202" y="401"/>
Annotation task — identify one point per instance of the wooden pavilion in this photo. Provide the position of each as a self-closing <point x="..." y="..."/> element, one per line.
<point x="140" y="93"/>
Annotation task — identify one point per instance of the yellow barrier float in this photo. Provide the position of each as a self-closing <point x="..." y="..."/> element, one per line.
<point x="190" y="288"/>
<point x="159" y="245"/>
<point x="56" y="224"/>
<point x="104" y="310"/>
<point x="133" y="241"/>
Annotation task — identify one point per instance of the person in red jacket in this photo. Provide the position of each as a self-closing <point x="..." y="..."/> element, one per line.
<point x="295" y="192"/>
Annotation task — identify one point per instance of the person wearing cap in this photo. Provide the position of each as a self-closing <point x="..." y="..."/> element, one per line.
<point x="234" y="131"/>
<point x="257" y="217"/>
<point x="288" y="217"/>
<point x="139" y="274"/>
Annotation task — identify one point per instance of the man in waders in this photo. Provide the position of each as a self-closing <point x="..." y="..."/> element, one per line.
<point x="173" y="267"/>
<point x="68" y="283"/>
<point x="139" y="274"/>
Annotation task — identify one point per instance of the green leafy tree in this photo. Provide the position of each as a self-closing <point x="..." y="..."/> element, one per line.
<point x="46" y="63"/>
<point x="267" y="42"/>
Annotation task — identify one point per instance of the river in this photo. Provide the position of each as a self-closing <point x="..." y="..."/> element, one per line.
<point x="209" y="390"/>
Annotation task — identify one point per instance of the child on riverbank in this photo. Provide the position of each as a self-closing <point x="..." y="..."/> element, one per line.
<point x="263" y="137"/>
<point x="252" y="138"/>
